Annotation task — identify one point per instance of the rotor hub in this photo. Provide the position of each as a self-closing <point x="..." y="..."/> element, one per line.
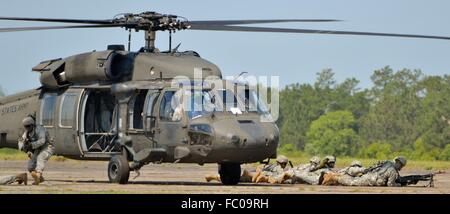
<point x="152" y="21"/>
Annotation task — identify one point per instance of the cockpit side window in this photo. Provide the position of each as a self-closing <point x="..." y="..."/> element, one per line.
<point x="171" y="108"/>
<point x="48" y="109"/>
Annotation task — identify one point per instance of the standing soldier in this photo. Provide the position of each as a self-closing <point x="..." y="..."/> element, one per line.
<point x="35" y="142"/>
<point x="383" y="174"/>
<point x="19" y="178"/>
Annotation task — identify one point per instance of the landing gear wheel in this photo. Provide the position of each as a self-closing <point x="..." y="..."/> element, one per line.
<point x="118" y="169"/>
<point x="230" y="173"/>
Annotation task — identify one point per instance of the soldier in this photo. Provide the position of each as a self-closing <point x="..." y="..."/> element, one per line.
<point x="19" y="178"/>
<point x="308" y="175"/>
<point x="272" y="170"/>
<point x="35" y="142"/>
<point x="330" y="162"/>
<point x="383" y="174"/>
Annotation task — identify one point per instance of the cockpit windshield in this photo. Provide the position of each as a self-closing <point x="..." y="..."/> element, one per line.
<point x="198" y="103"/>
<point x="252" y="102"/>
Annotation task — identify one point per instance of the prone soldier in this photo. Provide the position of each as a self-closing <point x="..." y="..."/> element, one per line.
<point x="263" y="174"/>
<point x="308" y="175"/>
<point x="384" y="173"/>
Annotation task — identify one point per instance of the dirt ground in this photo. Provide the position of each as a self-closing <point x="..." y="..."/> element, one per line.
<point x="91" y="177"/>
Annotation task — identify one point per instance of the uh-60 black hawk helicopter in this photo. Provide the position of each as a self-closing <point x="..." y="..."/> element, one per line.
<point x="116" y="105"/>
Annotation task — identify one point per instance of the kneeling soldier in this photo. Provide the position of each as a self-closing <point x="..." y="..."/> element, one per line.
<point x="35" y="142"/>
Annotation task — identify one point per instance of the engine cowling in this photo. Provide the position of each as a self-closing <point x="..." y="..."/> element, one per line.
<point x="103" y="66"/>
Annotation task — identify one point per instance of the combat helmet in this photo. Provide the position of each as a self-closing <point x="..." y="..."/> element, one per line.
<point x="331" y="158"/>
<point x="282" y="159"/>
<point x="314" y="160"/>
<point x="356" y="163"/>
<point x="400" y="159"/>
<point x="28" y="121"/>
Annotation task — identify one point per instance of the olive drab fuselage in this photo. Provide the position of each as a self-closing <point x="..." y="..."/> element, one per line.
<point x="86" y="101"/>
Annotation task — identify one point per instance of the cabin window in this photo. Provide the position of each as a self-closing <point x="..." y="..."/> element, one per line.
<point x="151" y="103"/>
<point x="2" y="138"/>
<point x="171" y="107"/>
<point x="136" y="110"/>
<point x="48" y="109"/>
<point x="68" y="110"/>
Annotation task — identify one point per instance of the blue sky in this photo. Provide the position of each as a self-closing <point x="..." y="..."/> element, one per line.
<point x="294" y="57"/>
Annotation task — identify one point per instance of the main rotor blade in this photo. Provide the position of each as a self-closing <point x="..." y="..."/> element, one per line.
<point x="6" y="30"/>
<point x="306" y="31"/>
<point x="262" y="21"/>
<point x="79" y="21"/>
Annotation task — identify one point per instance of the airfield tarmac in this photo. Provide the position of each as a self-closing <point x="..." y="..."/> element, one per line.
<point x="69" y="177"/>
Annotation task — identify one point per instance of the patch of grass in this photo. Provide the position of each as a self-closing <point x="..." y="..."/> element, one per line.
<point x="13" y="154"/>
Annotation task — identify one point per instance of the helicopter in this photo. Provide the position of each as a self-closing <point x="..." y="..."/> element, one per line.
<point x="118" y="105"/>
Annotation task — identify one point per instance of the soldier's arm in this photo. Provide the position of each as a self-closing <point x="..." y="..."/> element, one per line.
<point x="21" y="142"/>
<point x="392" y="178"/>
<point x="41" y="138"/>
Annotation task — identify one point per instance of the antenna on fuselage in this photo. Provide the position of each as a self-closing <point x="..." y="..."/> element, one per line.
<point x="129" y="39"/>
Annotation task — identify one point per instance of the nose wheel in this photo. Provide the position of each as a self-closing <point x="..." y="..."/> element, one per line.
<point x="118" y="169"/>
<point x="230" y="173"/>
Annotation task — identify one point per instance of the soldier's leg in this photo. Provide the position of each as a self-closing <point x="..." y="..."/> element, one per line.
<point x="307" y="177"/>
<point x="41" y="161"/>
<point x="257" y="174"/>
<point x="32" y="162"/>
<point x="263" y="177"/>
<point x="330" y="179"/>
<point x="246" y="176"/>
<point x="359" y="181"/>
<point x="5" y="180"/>
<point x="347" y="180"/>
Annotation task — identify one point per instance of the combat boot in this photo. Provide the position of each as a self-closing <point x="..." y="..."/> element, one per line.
<point x="22" y="178"/>
<point x="256" y="175"/>
<point x="212" y="178"/>
<point x="330" y="179"/>
<point x="246" y="176"/>
<point x="36" y="177"/>
<point x="262" y="179"/>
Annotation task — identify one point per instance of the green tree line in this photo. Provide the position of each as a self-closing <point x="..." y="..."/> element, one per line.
<point x="404" y="112"/>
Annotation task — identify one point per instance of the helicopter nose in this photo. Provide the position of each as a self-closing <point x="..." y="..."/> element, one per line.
<point x="246" y="140"/>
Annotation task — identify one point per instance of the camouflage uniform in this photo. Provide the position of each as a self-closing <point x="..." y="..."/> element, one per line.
<point x="20" y="178"/>
<point x="4" y="180"/>
<point x="383" y="174"/>
<point x="313" y="176"/>
<point x="272" y="170"/>
<point x="355" y="169"/>
<point x="42" y="149"/>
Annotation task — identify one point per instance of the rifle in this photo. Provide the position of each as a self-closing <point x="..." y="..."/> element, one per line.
<point x="374" y="167"/>
<point x="414" y="179"/>
<point x="27" y="147"/>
